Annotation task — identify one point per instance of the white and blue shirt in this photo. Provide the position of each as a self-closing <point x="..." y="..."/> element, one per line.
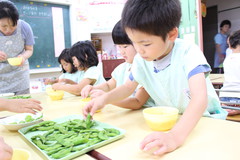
<point x="166" y="80"/>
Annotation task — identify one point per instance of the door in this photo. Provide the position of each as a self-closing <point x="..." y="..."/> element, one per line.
<point x="210" y="29"/>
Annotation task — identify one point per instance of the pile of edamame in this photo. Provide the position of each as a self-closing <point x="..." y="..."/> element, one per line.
<point x="64" y="138"/>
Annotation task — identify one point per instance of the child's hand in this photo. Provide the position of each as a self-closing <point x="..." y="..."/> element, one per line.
<point x="160" y="142"/>
<point x="94" y="105"/>
<point x="86" y="91"/>
<point x="96" y="93"/>
<point x="5" y="150"/>
<point x="57" y="86"/>
<point x="47" y="81"/>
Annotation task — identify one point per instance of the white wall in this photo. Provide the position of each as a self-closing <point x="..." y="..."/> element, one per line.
<point x="79" y="29"/>
<point x="107" y="43"/>
<point x="233" y="14"/>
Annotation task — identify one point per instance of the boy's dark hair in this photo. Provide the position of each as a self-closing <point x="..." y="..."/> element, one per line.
<point x="86" y="54"/>
<point x="234" y="39"/>
<point x="119" y="35"/>
<point x="9" y="10"/>
<point x="65" y="55"/>
<point x="155" y="17"/>
<point x="225" y="22"/>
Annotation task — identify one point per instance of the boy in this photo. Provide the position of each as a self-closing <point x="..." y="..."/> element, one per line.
<point x="168" y="68"/>
<point x="120" y="74"/>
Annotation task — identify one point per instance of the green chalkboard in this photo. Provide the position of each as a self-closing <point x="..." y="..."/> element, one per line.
<point x="39" y="16"/>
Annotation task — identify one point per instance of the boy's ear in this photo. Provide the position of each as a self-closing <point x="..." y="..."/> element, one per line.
<point x="173" y="34"/>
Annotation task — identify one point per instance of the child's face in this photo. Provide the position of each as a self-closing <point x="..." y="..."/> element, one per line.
<point x="150" y="47"/>
<point x="127" y="51"/>
<point x="66" y="66"/>
<point x="75" y="62"/>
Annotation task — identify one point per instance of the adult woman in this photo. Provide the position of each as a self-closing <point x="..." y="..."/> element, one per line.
<point x="16" y="40"/>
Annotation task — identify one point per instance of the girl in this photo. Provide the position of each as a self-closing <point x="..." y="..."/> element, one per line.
<point x="85" y="59"/>
<point x="70" y="73"/>
<point x="231" y="73"/>
<point x="120" y="74"/>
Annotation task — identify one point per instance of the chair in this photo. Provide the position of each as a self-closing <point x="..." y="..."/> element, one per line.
<point x="230" y="105"/>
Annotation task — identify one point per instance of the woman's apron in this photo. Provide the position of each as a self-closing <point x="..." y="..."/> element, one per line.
<point x="13" y="78"/>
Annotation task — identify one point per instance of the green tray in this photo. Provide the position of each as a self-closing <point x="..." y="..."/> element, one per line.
<point x="99" y="125"/>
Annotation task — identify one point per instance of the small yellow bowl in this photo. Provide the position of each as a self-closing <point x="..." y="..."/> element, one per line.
<point x="15" y="61"/>
<point x="55" y="95"/>
<point x="161" y="118"/>
<point x="20" y="154"/>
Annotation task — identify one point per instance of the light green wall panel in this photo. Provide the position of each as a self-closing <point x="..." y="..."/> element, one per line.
<point x="188" y="26"/>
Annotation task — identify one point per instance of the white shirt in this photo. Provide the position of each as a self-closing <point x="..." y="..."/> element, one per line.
<point x="231" y="75"/>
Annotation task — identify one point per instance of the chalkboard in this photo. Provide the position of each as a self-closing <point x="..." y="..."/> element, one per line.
<point x="39" y="17"/>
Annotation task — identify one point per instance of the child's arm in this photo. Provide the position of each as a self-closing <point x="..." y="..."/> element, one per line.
<point x="67" y="81"/>
<point x="169" y="141"/>
<point x="50" y="81"/>
<point x="115" y="95"/>
<point x="74" y="88"/>
<point x="104" y="87"/>
<point x="136" y="102"/>
<point x="107" y="86"/>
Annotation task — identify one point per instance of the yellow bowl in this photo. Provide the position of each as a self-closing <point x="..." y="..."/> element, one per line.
<point x="55" y="95"/>
<point x="20" y="154"/>
<point x="15" y="61"/>
<point x="161" y="118"/>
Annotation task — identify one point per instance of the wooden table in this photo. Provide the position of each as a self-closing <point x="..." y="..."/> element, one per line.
<point x="217" y="80"/>
<point x="211" y="138"/>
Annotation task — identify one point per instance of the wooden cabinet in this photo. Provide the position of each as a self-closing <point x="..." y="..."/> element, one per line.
<point x="97" y="42"/>
<point x="109" y="66"/>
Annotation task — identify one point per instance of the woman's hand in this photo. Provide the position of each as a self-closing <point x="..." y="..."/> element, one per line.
<point x="24" y="106"/>
<point x="5" y="150"/>
<point x="159" y="143"/>
<point x="23" y="60"/>
<point x="3" y="56"/>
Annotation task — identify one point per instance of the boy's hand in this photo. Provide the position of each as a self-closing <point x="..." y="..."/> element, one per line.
<point x="5" y="150"/>
<point x="93" y="106"/>
<point x="161" y="142"/>
<point x="86" y="90"/>
<point x="96" y="93"/>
